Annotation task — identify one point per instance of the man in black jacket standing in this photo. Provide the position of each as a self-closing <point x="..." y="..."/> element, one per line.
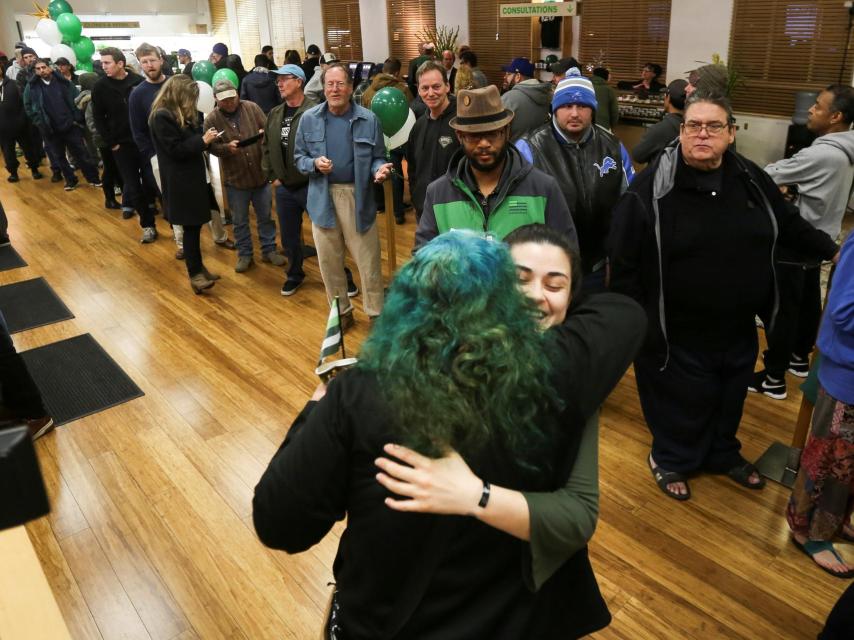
<point x="432" y="141"/>
<point x="591" y="166"/>
<point x="110" y="110"/>
<point x="14" y="127"/>
<point x="694" y="240"/>
<point x="662" y="133"/>
<point x="49" y="101"/>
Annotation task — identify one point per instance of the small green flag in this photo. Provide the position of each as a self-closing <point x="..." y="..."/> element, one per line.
<point x="333" y="340"/>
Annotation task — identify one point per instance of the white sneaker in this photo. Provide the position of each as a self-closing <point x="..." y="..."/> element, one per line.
<point x="149" y="234"/>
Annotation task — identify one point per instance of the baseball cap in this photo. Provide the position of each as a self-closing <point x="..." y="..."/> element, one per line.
<point x="563" y="65"/>
<point x="291" y="70"/>
<point x="183" y="52"/>
<point x="328" y="58"/>
<point x="223" y="89"/>
<point x="220" y="49"/>
<point x="520" y="65"/>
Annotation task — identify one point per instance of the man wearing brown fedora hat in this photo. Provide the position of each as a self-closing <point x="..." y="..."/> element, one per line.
<point x="489" y="187"/>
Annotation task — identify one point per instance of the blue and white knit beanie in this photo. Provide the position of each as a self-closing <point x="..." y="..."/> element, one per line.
<point x="574" y="88"/>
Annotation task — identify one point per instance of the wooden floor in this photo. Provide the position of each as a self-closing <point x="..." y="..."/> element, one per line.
<point x="150" y="534"/>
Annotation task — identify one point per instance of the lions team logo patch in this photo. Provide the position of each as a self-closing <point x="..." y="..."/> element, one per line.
<point x="608" y="163"/>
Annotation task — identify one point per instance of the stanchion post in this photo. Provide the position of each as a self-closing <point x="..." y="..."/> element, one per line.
<point x="391" y="240"/>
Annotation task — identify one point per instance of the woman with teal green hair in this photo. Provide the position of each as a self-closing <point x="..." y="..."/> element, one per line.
<point x="455" y="361"/>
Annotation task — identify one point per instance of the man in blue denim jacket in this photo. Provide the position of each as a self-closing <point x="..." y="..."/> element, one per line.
<point x="340" y="147"/>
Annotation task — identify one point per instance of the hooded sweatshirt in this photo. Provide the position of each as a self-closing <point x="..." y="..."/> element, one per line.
<point x="836" y="337"/>
<point x="381" y="81"/>
<point x="259" y="86"/>
<point x="529" y="100"/>
<point x="824" y="175"/>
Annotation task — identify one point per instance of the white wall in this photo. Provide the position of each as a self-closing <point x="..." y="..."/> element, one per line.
<point x="454" y="13"/>
<point x="374" y="23"/>
<point x="312" y="23"/>
<point x="120" y="7"/>
<point x="698" y="29"/>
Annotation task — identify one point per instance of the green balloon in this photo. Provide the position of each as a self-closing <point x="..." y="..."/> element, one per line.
<point x="84" y="49"/>
<point x="203" y="71"/>
<point x="224" y="74"/>
<point x="58" y="7"/>
<point x="390" y="106"/>
<point x="69" y="26"/>
<point x="84" y="66"/>
<point x="551" y="58"/>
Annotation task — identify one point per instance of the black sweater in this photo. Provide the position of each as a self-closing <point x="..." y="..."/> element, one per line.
<point x="110" y="108"/>
<point x="454" y="577"/>
<point x="646" y="230"/>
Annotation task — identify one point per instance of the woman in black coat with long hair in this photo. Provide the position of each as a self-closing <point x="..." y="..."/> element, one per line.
<point x="180" y="146"/>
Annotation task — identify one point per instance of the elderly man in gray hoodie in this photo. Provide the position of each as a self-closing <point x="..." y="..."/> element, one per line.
<point x="819" y="180"/>
<point x="527" y="97"/>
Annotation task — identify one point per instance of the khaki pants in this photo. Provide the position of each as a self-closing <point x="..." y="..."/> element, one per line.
<point x="364" y="247"/>
<point x="218" y="231"/>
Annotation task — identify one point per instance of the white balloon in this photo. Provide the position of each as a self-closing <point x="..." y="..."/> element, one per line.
<point x="47" y="30"/>
<point x="206" y="101"/>
<point x="63" y="51"/>
<point x="402" y="135"/>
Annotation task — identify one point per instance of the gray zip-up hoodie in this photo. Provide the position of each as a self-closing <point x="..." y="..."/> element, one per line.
<point x="529" y="100"/>
<point x="824" y="174"/>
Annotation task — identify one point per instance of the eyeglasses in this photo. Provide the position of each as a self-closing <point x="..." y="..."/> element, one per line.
<point x="336" y="85"/>
<point x="693" y="128"/>
<point x="490" y="136"/>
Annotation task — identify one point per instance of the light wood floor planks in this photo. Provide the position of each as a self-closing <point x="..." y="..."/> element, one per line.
<point x="151" y="534"/>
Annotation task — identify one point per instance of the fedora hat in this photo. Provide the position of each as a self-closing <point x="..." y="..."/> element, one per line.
<point x="480" y="110"/>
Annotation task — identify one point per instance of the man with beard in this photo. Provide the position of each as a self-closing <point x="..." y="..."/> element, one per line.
<point x="139" y="107"/>
<point x="26" y="73"/>
<point x="488" y="186"/>
<point x="525" y="96"/>
<point x="110" y="97"/>
<point x="245" y="182"/>
<point x="432" y="142"/>
<point x="49" y="101"/>
<point x="589" y="163"/>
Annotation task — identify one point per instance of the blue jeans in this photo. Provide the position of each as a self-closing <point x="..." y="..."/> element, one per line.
<point x="290" y="203"/>
<point x="238" y="203"/>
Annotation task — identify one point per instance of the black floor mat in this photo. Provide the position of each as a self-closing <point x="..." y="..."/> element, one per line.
<point x="10" y="259"/>
<point x="77" y="378"/>
<point x="31" y="303"/>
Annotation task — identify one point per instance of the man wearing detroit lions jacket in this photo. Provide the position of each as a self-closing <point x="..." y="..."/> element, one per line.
<point x="591" y="166"/>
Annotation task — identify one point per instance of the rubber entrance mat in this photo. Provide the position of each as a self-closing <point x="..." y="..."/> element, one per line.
<point x="31" y="303"/>
<point x="77" y="378"/>
<point x="10" y="259"/>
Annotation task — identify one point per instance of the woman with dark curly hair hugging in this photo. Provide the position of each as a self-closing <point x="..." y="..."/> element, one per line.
<point x="456" y="360"/>
<point x="180" y="145"/>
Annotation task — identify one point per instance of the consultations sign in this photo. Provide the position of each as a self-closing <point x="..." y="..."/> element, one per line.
<point x="537" y="10"/>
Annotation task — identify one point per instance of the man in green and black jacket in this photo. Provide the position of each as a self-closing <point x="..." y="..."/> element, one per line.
<point x="489" y="186"/>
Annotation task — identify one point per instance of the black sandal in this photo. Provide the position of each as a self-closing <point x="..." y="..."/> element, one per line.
<point x="741" y="474"/>
<point x="663" y="478"/>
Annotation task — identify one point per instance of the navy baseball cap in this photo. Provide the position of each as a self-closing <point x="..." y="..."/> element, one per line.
<point x="520" y="65"/>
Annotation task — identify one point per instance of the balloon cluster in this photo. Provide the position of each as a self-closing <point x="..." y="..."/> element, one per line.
<point x="206" y="76"/>
<point x="390" y="106"/>
<point x="64" y="33"/>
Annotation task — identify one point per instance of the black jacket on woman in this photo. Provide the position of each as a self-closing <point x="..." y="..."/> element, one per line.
<point x="415" y="575"/>
<point x="180" y="154"/>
